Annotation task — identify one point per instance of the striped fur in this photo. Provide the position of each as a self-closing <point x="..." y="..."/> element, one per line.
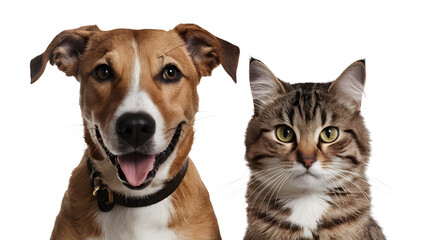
<point x="330" y="199"/>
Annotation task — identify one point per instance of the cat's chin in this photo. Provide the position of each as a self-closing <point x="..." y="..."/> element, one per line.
<point x="308" y="179"/>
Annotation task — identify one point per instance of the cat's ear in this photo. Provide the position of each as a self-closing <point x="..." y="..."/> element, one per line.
<point x="348" y="88"/>
<point x="264" y="85"/>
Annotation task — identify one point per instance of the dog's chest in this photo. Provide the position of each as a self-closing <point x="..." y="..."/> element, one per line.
<point x="137" y="223"/>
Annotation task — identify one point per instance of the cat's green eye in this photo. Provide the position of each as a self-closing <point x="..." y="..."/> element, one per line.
<point x="329" y="134"/>
<point x="285" y="134"/>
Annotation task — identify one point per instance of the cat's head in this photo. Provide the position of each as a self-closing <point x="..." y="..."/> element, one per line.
<point x="307" y="136"/>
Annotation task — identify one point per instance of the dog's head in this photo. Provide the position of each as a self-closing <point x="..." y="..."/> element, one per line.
<point x="138" y="95"/>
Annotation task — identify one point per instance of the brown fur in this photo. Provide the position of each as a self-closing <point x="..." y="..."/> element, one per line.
<point x="197" y="221"/>
<point x="195" y="52"/>
<point x="76" y="218"/>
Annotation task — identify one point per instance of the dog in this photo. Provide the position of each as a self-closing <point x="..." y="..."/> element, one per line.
<point x="138" y="100"/>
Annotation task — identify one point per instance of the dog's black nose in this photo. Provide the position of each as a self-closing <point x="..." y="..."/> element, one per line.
<point x="136" y="128"/>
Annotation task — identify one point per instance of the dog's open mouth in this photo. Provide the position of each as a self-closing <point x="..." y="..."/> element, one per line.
<point x="134" y="167"/>
<point x="136" y="170"/>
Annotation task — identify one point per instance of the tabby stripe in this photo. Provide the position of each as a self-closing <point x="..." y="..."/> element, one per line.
<point x="298" y="104"/>
<point x="291" y="113"/>
<point x="261" y="132"/>
<point x="307" y="104"/>
<point x="337" y="191"/>
<point x="306" y="98"/>
<point x="316" y="103"/>
<point x="347" y="185"/>
<point x="261" y="156"/>
<point x="338" y="194"/>
<point x="341" y="144"/>
<point x="264" y="130"/>
<point x="353" y="159"/>
<point x="343" y="219"/>
<point x="323" y="117"/>
<point x="283" y="224"/>
<point x="299" y="111"/>
<point x="307" y="116"/>
<point x="294" y="147"/>
<point x="359" y="144"/>
<point x="297" y="98"/>
<point x="255" y="166"/>
<point x="334" y="117"/>
<point x="279" y="207"/>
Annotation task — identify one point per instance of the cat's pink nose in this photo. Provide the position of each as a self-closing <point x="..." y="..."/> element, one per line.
<point x="307" y="162"/>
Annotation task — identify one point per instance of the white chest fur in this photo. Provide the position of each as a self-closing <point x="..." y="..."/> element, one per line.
<point x="307" y="210"/>
<point x="137" y="223"/>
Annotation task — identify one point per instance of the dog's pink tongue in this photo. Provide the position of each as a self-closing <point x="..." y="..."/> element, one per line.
<point x="136" y="166"/>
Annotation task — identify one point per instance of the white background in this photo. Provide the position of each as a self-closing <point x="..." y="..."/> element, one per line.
<point x="41" y="128"/>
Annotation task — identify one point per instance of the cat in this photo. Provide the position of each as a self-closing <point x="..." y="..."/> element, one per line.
<point x="307" y="149"/>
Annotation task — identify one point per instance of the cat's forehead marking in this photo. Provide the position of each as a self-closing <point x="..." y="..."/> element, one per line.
<point x="303" y="107"/>
<point x="305" y="102"/>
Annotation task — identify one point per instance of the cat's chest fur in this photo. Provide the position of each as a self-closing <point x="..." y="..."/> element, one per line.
<point x="306" y="210"/>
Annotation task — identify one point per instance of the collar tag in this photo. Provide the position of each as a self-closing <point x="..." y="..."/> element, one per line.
<point x="105" y="200"/>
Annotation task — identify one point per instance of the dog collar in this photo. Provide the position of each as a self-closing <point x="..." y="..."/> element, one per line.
<point x="107" y="199"/>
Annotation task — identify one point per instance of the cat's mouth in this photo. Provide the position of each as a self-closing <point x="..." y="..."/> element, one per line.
<point x="136" y="170"/>
<point x="307" y="173"/>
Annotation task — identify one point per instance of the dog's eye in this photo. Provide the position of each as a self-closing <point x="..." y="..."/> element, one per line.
<point x="171" y="73"/>
<point x="103" y="72"/>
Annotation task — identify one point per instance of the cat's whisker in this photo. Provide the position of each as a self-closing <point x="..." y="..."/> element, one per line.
<point x="355" y="174"/>
<point x="359" y="176"/>
<point x="247" y="176"/>
<point x="336" y="186"/>
<point x="280" y="187"/>
<point x="275" y="187"/>
<point x="267" y="169"/>
<point x="336" y="167"/>
<point x="238" y="179"/>
<point x="276" y="181"/>
<point x="259" y="174"/>
<point x="373" y="182"/>
<point x="354" y="184"/>
<point x="270" y="175"/>
<point x="256" y="181"/>
<point x="342" y="207"/>
<point x="265" y="185"/>
<point x="378" y="184"/>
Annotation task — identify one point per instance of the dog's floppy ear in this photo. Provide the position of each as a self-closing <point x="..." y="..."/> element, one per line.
<point x="207" y="51"/>
<point x="64" y="51"/>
